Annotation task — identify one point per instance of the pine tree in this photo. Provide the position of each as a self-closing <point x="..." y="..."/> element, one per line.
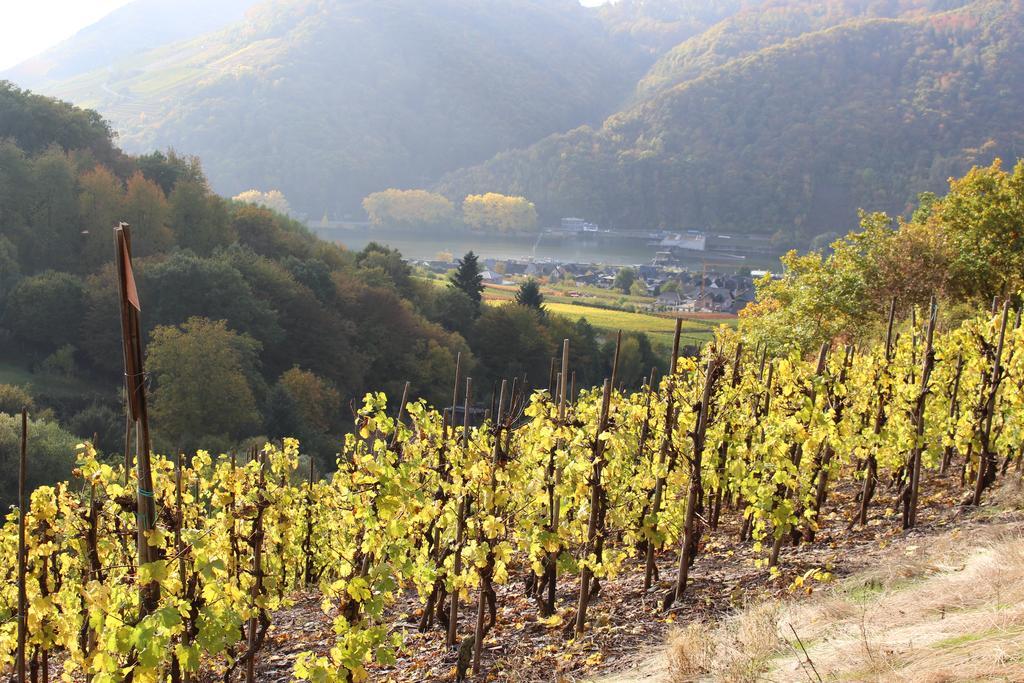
<point x="467" y="278"/>
<point x="529" y="295"/>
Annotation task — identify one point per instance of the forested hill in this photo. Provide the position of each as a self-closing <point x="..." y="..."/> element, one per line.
<point x="795" y="136"/>
<point x="254" y="327"/>
<point x="758" y="24"/>
<point x="329" y="101"/>
<point x="257" y="316"/>
<point x="739" y="115"/>
<point x="660" y="25"/>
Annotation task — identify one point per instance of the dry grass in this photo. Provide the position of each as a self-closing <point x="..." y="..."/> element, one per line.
<point x="953" y="612"/>
<point x="938" y="607"/>
<point x="736" y="649"/>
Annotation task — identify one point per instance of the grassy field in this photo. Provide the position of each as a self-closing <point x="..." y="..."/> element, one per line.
<point x="697" y="328"/>
<point x="42" y="383"/>
<point x="660" y="329"/>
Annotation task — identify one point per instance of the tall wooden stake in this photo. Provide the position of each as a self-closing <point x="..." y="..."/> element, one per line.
<point x="22" y="552"/>
<point x="953" y="414"/>
<point x="723" y="448"/>
<point x="455" y="389"/>
<point x="615" y="359"/>
<point x="135" y="385"/>
<point x="596" y="501"/>
<point x="555" y="479"/>
<point x="478" y="640"/>
<point x="927" y="363"/>
<point x="666" y="446"/>
<point x="987" y="456"/>
<point x="460" y="527"/>
<point x="871" y="464"/>
<point x="690" y="531"/>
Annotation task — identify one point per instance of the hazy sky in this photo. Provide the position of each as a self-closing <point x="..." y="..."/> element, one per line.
<point x="31" y="26"/>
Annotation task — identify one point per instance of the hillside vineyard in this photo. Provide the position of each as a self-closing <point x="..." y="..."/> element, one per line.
<point x="550" y="488"/>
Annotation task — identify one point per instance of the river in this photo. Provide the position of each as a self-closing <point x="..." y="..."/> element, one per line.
<point x="576" y="248"/>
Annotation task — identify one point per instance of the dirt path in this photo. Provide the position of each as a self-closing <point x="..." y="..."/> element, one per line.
<point x="938" y="604"/>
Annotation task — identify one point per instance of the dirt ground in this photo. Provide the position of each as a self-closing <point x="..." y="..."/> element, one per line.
<point x="628" y="628"/>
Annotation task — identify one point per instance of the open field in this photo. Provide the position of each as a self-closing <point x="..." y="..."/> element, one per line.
<point x="53" y="386"/>
<point x="660" y="329"/>
<point x="697" y="327"/>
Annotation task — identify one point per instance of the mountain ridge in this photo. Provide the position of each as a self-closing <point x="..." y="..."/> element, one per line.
<point x="725" y="149"/>
<point x="587" y="112"/>
<point x="124" y="31"/>
<point x="374" y="93"/>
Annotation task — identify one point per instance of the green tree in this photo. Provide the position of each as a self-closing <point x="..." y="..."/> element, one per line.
<point x="55" y="240"/>
<point x="13" y="398"/>
<point x="510" y="341"/>
<point x="100" y="206"/>
<point x="147" y="210"/>
<point x="317" y="400"/>
<point x="307" y="407"/>
<point x="453" y="310"/>
<point x="203" y="383"/>
<point x="636" y="358"/>
<point x="46" y="310"/>
<point x="166" y="170"/>
<point x="467" y="278"/>
<point x="199" y="219"/>
<point x="15" y="186"/>
<point x="185" y="286"/>
<point x="314" y="335"/>
<point x="529" y="295"/>
<point x="10" y="269"/>
<point x="385" y="266"/>
<point x="52" y="459"/>
<point x="103" y="423"/>
<point x="624" y="279"/>
<point x="983" y="219"/>
<point x="587" y="358"/>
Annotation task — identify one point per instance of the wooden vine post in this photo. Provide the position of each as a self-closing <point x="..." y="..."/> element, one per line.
<point x="615" y="359"/>
<point x="828" y="449"/>
<point x="135" y="387"/>
<point x="258" y="618"/>
<point x="307" y="541"/>
<point x="460" y="528"/>
<point x="762" y="407"/>
<point x="871" y="464"/>
<point x="22" y="551"/>
<point x="723" y="448"/>
<point x="687" y="552"/>
<point x="597" y="502"/>
<point x="927" y="364"/>
<point x="179" y="551"/>
<point x="666" y="446"/>
<point x="554" y="476"/>
<point x="987" y="457"/>
<point x="479" y="633"/>
<point x="952" y="416"/>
